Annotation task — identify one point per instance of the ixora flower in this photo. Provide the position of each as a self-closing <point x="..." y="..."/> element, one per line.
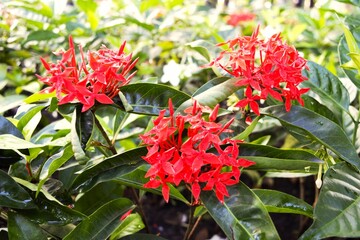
<point x="263" y="68"/>
<point x="235" y="18"/>
<point x="97" y="78"/>
<point x="178" y="152"/>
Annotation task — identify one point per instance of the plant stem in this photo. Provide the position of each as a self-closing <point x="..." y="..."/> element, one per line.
<point x="141" y="210"/>
<point x="106" y="137"/>
<point x="191" y="225"/>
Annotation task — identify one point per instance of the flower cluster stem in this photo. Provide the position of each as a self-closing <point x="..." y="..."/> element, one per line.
<point x="192" y="225"/>
<point x="106" y="137"/>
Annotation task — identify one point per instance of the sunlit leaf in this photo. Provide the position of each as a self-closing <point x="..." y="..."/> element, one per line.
<point x="130" y="225"/>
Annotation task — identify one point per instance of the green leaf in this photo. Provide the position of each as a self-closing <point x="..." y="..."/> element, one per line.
<point x="279" y="202"/>
<point x="8" y="157"/>
<point x="337" y="210"/>
<point x="103" y="222"/>
<point x="210" y="84"/>
<point x="138" y="236"/>
<point x="89" y="8"/>
<point x="328" y="87"/>
<point x="51" y="212"/>
<point x="98" y="196"/>
<point x="36" y="97"/>
<point x="273" y="159"/>
<point x="316" y="128"/>
<point x="149" y="98"/>
<point x="76" y="136"/>
<point x="213" y="95"/>
<point x="242" y="215"/>
<point x="10" y="102"/>
<point x="12" y="195"/>
<point x="29" y="120"/>
<point x="137" y="179"/>
<point x="148" y="27"/>
<point x="41" y="35"/>
<point x="52" y="164"/>
<point x="8" y="141"/>
<point x="36" y="6"/>
<point x="21" y="228"/>
<point x="201" y="47"/>
<point x="110" y="168"/>
<point x="130" y="225"/>
<point x="343" y="50"/>
<point x="244" y="134"/>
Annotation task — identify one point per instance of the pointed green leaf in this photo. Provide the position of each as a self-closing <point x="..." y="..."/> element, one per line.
<point x="328" y="87"/>
<point x="201" y="47"/>
<point x="273" y="159"/>
<point x="242" y="215"/>
<point x="279" y="202"/>
<point x="130" y="225"/>
<point x="36" y="97"/>
<point x="51" y="212"/>
<point x="41" y="35"/>
<point x="53" y="163"/>
<point x="102" y="222"/>
<point x="77" y="137"/>
<point x="29" y="120"/>
<point x="110" y="168"/>
<point x="8" y="157"/>
<point x="316" y="128"/>
<point x="150" y="99"/>
<point x="337" y="211"/>
<point x="213" y="95"/>
<point x="343" y="50"/>
<point x="12" y="195"/>
<point x="210" y="84"/>
<point x="21" y="228"/>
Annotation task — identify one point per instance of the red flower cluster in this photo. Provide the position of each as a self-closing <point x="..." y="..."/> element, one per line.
<point x="235" y="18"/>
<point x="98" y="78"/>
<point x="178" y="151"/>
<point x="265" y="68"/>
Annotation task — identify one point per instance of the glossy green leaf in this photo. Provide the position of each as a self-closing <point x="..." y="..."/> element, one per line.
<point x="242" y="215"/>
<point x="149" y="98"/>
<point x="53" y="163"/>
<point x="337" y="210"/>
<point x="8" y="141"/>
<point x="12" y="195"/>
<point x="21" y="228"/>
<point x="76" y="137"/>
<point x="343" y="50"/>
<point x="10" y="102"/>
<point x="279" y="202"/>
<point x="138" y="236"/>
<point x="8" y="157"/>
<point x="98" y="196"/>
<point x="110" y="168"/>
<point x="213" y="95"/>
<point x="313" y="105"/>
<point x="247" y="131"/>
<point x="137" y="180"/>
<point x="41" y="35"/>
<point x="51" y="212"/>
<point x="316" y="128"/>
<point x="130" y="225"/>
<point x="102" y="222"/>
<point x="328" y="87"/>
<point x="273" y="159"/>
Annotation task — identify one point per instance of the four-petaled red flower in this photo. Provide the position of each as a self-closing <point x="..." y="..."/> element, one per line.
<point x="264" y="68"/>
<point x="178" y="152"/>
<point x="97" y="78"/>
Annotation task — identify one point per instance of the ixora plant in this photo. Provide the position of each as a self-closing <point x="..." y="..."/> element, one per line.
<point x="66" y="178"/>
